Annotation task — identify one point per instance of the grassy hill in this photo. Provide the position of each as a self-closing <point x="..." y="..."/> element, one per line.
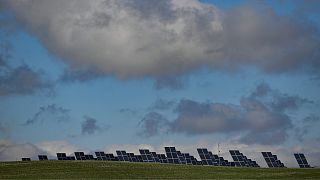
<point x="117" y="170"/>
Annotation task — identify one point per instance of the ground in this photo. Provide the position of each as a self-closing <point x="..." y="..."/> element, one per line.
<point x="117" y="170"/>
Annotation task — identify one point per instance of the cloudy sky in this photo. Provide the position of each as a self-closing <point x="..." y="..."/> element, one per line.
<point x="129" y="74"/>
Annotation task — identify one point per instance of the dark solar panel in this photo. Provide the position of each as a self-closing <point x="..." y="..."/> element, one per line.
<point x="111" y="157"/>
<point x="122" y="155"/>
<point x="139" y="158"/>
<point x="155" y="157"/>
<point x="101" y="156"/>
<point x="132" y="157"/>
<point x="80" y="155"/>
<point x="42" y="157"/>
<point x="208" y="158"/>
<point x="61" y="156"/>
<point x="162" y="158"/>
<point x="26" y="159"/>
<point x="89" y="157"/>
<point x="146" y="155"/>
<point x="272" y="160"/>
<point x="172" y="155"/>
<point x="181" y="158"/>
<point x="242" y="160"/>
<point x="302" y="161"/>
<point x="205" y="156"/>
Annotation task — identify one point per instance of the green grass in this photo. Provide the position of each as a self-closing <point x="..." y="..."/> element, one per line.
<point x="119" y="170"/>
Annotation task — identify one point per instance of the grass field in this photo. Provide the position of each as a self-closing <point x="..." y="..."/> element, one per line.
<point x="119" y="170"/>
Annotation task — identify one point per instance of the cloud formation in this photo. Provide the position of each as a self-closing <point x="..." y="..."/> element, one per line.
<point x="305" y="127"/>
<point x="13" y="151"/>
<point x="161" y="39"/>
<point x="163" y="104"/>
<point x="22" y="81"/>
<point x="152" y="124"/>
<point x="52" y="147"/>
<point x="260" y="118"/>
<point x="89" y="126"/>
<point x="51" y="112"/>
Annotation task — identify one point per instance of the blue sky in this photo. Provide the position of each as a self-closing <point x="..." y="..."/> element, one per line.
<point x="185" y="73"/>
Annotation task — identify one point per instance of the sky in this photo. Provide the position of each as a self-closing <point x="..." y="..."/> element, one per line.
<point x="83" y="75"/>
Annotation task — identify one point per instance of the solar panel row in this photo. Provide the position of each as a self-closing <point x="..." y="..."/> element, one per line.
<point x="174" y="156"/>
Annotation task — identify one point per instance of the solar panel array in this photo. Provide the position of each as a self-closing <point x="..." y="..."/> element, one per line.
<point x="210" y="159"/>
<point x="302" y="161"/>
<point x="63" y="156"/>
<point x="43" y="157"/>
<point x="174" y="156"/>
<point x="242" y="160"/>
<point x="272" y="160"/>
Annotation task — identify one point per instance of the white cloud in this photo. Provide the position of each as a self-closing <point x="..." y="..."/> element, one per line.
<point x="10" y="151"/>
<point x="53" y="147"/>
<point x="152" y="38"/>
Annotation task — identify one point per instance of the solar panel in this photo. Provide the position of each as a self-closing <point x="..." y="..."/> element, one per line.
<point x="155" y="157"/>
<point x="139" y="158"/>
<point x="190" y="160"/>
<point x="302" y="161"/>
<point x="146" y="155"/>
<point x="26" y="159"/>
<point x="242" y="160"/>
<point x="80" y="155"/>
<point x="172" y="155"/>
<point x="101" y="156"/>
<point x="42" y="157"/>
<point x="205" y="156"/>
<point x="272" y="160"/>
<point x="208" y="158"/>
<point x="162" y="158"/>
<point x="89" y="157"/>
<point x="122" y="155"/>
<point x="61" y="156"/>
<point x="111" y="157"/>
